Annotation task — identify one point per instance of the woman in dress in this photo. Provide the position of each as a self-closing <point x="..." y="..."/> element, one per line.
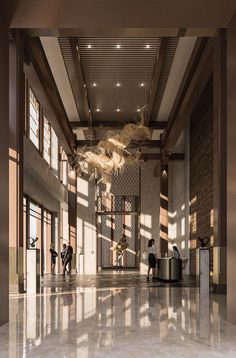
<point x="151" y="251"/>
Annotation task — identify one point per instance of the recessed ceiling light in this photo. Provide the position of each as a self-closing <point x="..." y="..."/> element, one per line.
<point x="94" y="84"/>
<point x="138" y="110"/>
<point x="77" y="48"/>
<point x="89" y="46"/>
<point x="97" y="110"/>
<point x="142" y="84"/>
<point x="118" y="84"/>
<point x="118" y="110"/>
<point x="118" y="46"/>
<point x="84" y="85"/>
<point x="147" y="46"/>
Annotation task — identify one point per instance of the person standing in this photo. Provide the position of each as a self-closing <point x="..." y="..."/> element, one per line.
<point x="54" y="254"/>
<point x="63" y="255"/>
<point x="176" y="253"/>
<point x="151" y="251"/>
<point x="68" y="258"/>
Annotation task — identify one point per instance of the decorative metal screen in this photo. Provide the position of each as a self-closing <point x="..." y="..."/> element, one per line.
<point x="111" y="230"/>
<point x="117" y="204"/>
<point x="126" y="183"/>
<point x="131" y="228"/>
<point x="105" y="237"/>
<point x="118" y="217"/>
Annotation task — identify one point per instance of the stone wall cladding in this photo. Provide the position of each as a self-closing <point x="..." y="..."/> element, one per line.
<point x="201" y="172"/>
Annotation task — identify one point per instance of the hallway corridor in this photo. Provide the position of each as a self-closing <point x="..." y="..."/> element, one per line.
<point x="116" y="314"/>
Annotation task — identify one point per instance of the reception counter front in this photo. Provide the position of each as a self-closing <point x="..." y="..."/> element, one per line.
<point x="169" y="269"/>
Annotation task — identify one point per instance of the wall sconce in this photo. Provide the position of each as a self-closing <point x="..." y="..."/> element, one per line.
<point x="164" y="171"/>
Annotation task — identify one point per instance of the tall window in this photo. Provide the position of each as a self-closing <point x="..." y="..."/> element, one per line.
<point x="34" y="119"/>
<point x="54" y="152"/>
<point x="46" y="141"/>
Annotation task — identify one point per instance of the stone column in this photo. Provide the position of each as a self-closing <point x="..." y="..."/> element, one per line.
<point x="16" y="127"/>
<point x="72" y="213"/>
<point x="56" y="238"/>
<point x="150" y="211"/>
<point x="4" y="173"/>
<point x="219" y="156"/>
<point x="231" y="170"/>
<point x="164" y="209"/>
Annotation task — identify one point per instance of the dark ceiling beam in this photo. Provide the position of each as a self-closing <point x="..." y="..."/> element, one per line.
<point x="120" y="32"/>
<point x="77" y="84"/>
<point x="177" y="156"/>
<point x="106" y="125"/>
<point x="36" y="55"/>
<point x="130" y="14"/>
<point x="158" y="156"/>
<point x="155" y="81"/>
<point x="8" y="9"/>
<point x="143" y="144"/>
<point x="196" y="77"/>
<point x="160" y="76"/>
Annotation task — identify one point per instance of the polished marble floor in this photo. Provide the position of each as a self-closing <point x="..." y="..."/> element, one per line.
<point x="117" y="315"/>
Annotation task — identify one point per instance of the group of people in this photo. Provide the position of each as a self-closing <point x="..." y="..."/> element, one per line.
<point x="66" y="258"/>
<point x="152" y="260"/>
<point x="67" y="254"/>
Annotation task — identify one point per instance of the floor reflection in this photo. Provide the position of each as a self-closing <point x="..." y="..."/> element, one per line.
<point x="70" y="319"/>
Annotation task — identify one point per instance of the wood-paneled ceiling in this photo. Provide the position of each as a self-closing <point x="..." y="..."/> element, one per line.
<point x="160" y="46"/>
<point x="111" y="78"/>
<point x="117" y="74"/>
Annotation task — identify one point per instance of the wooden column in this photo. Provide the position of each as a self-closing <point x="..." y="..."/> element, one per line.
<point x="220" y="162"/>
<point x="16" y="128"/>
<point x="4" y="170"/>
<point x="231" y="170"/>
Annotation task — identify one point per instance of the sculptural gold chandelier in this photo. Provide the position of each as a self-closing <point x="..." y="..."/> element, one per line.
<point x="114" y="153"/>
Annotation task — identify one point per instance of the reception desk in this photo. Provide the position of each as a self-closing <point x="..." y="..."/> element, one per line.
<point x="169" y="269"/>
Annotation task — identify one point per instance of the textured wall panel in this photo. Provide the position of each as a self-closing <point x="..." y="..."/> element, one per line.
<point x="201" y="172"/>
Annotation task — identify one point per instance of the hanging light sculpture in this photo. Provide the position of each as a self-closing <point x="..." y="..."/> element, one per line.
<point x="113" y="154"/>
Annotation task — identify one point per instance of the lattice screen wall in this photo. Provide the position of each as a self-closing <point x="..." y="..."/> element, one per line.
<point x="105" y="237"/>
<point x="119" y="216"/>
